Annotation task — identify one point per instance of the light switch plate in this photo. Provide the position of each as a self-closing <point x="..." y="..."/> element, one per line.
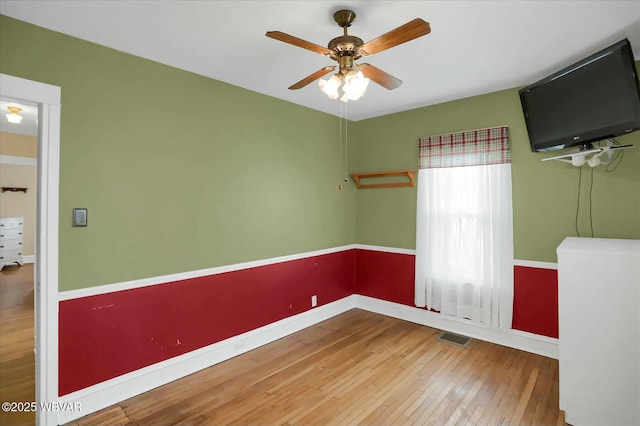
<point x="79" y="217"/>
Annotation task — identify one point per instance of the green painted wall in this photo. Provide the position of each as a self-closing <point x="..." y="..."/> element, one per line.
<point x="179" y="172"/>
<point x="544" y="194"/>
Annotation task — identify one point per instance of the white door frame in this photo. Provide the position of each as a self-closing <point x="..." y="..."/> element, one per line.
<point x="47" y="98"/>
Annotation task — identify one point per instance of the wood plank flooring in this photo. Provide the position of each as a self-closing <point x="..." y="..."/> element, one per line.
<point x="356" y="368"/>
<point x="17" y="362"/>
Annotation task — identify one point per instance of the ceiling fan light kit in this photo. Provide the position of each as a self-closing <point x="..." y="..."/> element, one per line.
<point x="353" y="85"/>
<point x="352" y="79"/>
<point x="330" y="87"/>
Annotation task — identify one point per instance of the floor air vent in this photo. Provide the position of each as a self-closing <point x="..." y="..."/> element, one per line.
<point x="456" y="339"/>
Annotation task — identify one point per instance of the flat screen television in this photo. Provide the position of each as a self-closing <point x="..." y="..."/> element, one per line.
<point x="592" y="100"/>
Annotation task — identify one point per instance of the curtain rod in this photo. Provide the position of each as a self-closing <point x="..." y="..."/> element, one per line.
<point x="464" y="131"/>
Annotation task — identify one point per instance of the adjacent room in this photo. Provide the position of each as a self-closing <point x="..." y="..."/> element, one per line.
<point x="313" y="212"/>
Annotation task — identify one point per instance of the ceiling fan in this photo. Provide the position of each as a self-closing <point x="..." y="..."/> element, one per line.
<point x="346" y="49"/>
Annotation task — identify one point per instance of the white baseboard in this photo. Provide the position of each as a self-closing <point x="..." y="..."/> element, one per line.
<point x="529" y="342"/>
<point x="112" y="391"/>
<point x="29" y="259"/>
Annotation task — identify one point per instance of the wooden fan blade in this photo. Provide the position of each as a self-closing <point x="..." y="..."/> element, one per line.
<point x="402" y="34"/>
<point x="277" y="35"/>
<point x="316" y="75"/>
<point x="382" y="78"/>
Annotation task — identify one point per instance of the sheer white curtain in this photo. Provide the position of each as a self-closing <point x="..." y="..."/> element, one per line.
<point x="464" y="243"/>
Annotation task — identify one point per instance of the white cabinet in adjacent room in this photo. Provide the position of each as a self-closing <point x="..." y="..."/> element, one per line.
<point x="11" y="233"/>
<point x="599" y="325"/>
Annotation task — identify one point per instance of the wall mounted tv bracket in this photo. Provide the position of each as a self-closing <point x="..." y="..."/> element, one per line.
<point x="591" y="156"/>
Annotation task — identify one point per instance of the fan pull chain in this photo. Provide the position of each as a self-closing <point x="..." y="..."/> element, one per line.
<point x="340" y="131"/>
<point x="346" y="140"/>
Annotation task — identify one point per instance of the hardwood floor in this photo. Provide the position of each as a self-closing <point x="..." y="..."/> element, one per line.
<point x="356" y="368"/>
<point x="17" y="363"/>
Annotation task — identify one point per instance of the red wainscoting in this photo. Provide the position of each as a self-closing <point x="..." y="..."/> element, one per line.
<point x="105" y="336"/>
<point x="111" y="334"/>
<point x="535" y="300"/>
<point x="390" y="276"/>
<point x="386" y="276"/>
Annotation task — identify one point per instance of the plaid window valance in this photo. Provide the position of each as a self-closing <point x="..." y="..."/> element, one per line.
<point x="470" y="148"/>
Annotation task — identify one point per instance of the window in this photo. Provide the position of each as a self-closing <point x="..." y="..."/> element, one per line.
<point x="464" y="241"/>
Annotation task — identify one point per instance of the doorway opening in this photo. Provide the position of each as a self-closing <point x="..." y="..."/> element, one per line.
<point x="42" y="276"/>
<point x="18" y="208"/>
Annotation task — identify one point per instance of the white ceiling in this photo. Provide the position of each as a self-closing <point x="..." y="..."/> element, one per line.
<point x="475" y="47"/>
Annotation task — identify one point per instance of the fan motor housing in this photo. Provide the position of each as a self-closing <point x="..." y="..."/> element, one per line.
<point x="345" y="45"/>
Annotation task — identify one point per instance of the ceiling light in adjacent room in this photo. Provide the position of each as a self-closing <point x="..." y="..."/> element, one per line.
<point x="13" y="116"/>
